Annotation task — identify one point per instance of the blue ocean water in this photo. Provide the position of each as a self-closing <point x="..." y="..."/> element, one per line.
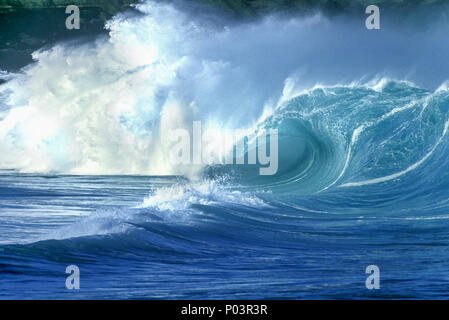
<point x="308" y="232"/>
<point x="362" y="119"/>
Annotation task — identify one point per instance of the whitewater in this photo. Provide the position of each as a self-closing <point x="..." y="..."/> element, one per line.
<point x="362" y="119"/>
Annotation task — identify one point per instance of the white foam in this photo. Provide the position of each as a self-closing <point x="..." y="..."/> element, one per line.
<point x="182" y="196"/>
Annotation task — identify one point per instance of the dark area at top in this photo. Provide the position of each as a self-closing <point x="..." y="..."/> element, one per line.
<point x="27" y="25"/>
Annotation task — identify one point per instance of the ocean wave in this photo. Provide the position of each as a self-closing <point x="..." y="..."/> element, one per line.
<point x="107" y="106"/>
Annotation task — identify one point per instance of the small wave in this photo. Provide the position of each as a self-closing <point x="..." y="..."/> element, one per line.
<point x="209" y="192"/>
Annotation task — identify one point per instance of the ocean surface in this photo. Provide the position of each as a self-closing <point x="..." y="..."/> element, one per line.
<point x="363" y="174"/>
